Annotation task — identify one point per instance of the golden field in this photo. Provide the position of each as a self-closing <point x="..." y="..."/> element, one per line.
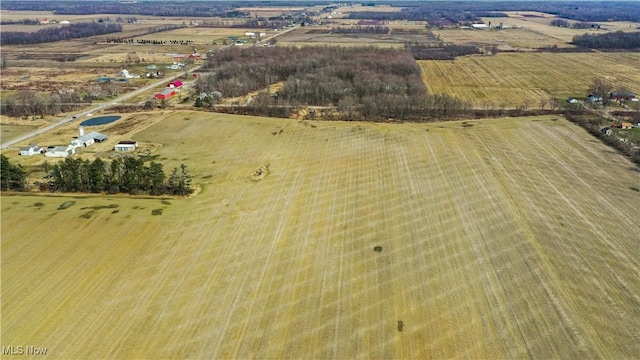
<point x="501" y="238"/>
<point x="511" y="79"/>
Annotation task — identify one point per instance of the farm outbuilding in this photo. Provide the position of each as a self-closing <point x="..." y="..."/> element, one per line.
<point x="90" y="138"/>
<point x="126" y="146"/>
<point x="61" y="151"/>
<point x="175" y="84"/>
<point x="166" y="94"/>
<point x="30" y="150"/>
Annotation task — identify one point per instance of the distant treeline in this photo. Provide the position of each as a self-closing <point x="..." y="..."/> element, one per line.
<point x="594" y="11"/>
<point x="461" y="11"/>
<point x="615" y="40"/>
<point x="67" y="32"/>
<point x="573" y="25"/>
<point x="361" y="30"/>
<point x="443" y="52"/>
<point x="151" y="8"/>
<point x="128" y="175"/>
<point x="29" y="103"/>
<point x="360" y="83"/>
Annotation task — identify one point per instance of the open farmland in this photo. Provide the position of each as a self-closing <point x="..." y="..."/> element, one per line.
<point x="511" y="79"/>
<point x="502" y="238"/>
<point x="319" y="36"/>
<point x="508" y="39"/>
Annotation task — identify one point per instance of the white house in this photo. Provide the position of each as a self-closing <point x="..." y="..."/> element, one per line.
<point x="479" y="26"/>
<point x="61" y="151"/>
<point x="29" y="150"/>
<point x="126" y="146"/>
<point x="125" y="74"/>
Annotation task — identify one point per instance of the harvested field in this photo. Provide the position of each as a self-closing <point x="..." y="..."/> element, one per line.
<point x="511" y="79"/>
<point x="502" y="238"/>
<point x="203" y="35"/>
<point x="317" y="37"/>
<point x="508" y="39"/>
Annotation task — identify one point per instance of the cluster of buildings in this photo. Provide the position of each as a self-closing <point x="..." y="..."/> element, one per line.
<point x="83" y="140"/>
<point x="170" y="91"/>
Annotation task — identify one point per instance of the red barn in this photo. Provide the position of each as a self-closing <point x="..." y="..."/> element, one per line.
<point x="174" y="84"/>
<point x="164" y="95"/>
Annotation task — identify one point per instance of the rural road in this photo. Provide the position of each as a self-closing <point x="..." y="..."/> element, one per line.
<point x="79" y="116"/>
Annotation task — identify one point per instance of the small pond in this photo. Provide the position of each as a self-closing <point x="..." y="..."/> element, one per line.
<point x="100" y="120"/>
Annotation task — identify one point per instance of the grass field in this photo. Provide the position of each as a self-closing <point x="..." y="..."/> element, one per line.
<point x="502" y="238"/>
<point x="510" y="79"/>
<point x="9" y="131"/>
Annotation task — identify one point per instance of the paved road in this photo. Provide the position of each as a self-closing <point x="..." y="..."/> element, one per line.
<point x="78" y="117"/>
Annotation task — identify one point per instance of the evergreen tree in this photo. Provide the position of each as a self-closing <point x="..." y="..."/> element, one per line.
<point x="12" y="177"/>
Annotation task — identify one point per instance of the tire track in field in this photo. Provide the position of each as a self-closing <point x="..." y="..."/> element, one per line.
<point x="559" y="307"/>
<point x="541" y="176"/>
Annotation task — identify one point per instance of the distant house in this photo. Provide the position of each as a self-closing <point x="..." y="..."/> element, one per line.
<point x="165" y="94"/>
<point x="30" y="150"/>
<point x="175" y="84"/>
<point x="126" y="75"/>
<point x="126" y="146"/>
<point x="622" y="96"/>
<point x="479" y="26"/>
<point x="626" y="125"/>
<point x="60" y="151"/>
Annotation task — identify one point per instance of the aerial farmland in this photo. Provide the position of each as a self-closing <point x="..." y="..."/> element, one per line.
<point x="316" y="235"/>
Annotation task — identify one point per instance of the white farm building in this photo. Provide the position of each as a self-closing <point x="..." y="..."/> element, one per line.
<point x="90" y="138"/>
<point x="61" y="151"/>
<point x="126" y="146"/>
<point x="30" y="150"/>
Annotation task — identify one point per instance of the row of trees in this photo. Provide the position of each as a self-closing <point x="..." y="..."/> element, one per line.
<point x="12" y="177"/>
<point x="591" y="11"/>
<point x="28" y="103"/>
<point x="67" y="32"/>
<point x="361" y="30"/>
<point x="573" y="25"/>
<point x="128" y="175"/>
<point x="436" y="51"/>
<point x="152" y="8"/>
<point x="615" y="40"/>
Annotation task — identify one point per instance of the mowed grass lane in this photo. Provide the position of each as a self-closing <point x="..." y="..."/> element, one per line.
<point x="501" y="238"/>
<point x="514" y="79"/>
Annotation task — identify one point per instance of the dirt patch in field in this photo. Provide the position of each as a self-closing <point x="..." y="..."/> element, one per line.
<point x="133" y="122"/>
<point x="260" y="173"/>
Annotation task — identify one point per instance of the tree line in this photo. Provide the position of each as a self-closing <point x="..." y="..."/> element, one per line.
<point x="30" y="103"/>
<point x="464" y="11"/>
<point x="615" y="40"/>
<point x="361" y="30"/>
<point x="129" y="175"/>
<point x="573" y="25"/>
<point x="72" y="31"/>
<point x="438" y="51"/>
